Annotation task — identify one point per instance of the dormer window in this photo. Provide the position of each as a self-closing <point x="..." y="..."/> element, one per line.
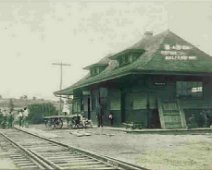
<point x="127" y="56"/>
<point x="124" y="60"/>
<point x="133" y="57"/>
<point x="96" y="70"/>
<point x="93" y="71"/>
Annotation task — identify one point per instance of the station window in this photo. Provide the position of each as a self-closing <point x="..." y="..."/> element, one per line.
<point x="76" y="106"/>
<point x="124" y="60"/>
<point x="96" y="70"/>
<point x="186" y="88"/>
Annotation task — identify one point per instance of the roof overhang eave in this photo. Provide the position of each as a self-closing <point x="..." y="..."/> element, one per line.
<point x="64" y="96"/>
<point x="94" y="65"/>
<point x="173" y="72"/>
<point x="60" y="93"/>
<point x="150" y="72"/>
<point x="104" y="80"/>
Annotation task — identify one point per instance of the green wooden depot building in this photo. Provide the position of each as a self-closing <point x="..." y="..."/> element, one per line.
<point x="162" y="81"/>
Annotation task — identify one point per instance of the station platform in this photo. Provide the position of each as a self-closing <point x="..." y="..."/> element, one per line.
<point x="162" y="131"/>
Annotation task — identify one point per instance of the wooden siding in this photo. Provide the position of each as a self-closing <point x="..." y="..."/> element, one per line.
<point x="195" y="103"/>
<point x="114" y="97"/>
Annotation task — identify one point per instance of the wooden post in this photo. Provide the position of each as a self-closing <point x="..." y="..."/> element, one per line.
<point x="61" y="79"/>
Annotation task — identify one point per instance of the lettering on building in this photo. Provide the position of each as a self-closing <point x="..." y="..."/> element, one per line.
<point x="176" y="52"/>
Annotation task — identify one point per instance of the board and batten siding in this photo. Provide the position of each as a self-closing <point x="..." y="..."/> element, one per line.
<point x="77" y="105"/>
<point x="114" y="96"/>
<point x="136" y="107"/>
<point x="207" y="86"/>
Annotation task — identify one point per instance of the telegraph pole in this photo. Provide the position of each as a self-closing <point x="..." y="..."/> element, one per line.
<point x="61" y="78"/>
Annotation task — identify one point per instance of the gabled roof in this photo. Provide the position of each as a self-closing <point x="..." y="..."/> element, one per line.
<point x="153" y="60"/>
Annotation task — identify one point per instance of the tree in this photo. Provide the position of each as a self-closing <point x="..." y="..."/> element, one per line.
<point x="11" y="105"/>
<point x="38" y="111"/>
<point x="25" y="97"/>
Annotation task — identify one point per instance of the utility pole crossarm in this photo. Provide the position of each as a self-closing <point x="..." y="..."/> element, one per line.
<point x="63" y="64"/>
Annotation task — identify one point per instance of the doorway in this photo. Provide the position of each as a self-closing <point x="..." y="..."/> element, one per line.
<point x="89" y="110"/>
<point x="154" y="119"/>
<point x="122" y="107"/>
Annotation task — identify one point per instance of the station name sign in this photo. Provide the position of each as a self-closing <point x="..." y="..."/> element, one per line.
<point x="176" y="52"/>
<point x="183" y="57"/>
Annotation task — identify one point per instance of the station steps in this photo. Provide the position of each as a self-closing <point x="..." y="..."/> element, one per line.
<point x="171" y="115"/>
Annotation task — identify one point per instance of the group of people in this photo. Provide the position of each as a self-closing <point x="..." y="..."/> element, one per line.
<point x="6" y="119"/>
<point x="202" y="119"/>
<point x="9" y="117"/>
<point x="23" y="117"/>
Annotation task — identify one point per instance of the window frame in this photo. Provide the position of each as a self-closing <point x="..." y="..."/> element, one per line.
<point x="185" y="89"/>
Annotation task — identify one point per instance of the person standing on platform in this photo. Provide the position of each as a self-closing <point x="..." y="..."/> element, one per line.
<point x="4" y="121"/>
<point x="25" y="117"/>
<point x="10" y="120"/>
<point x="99" y="115"/>
<point x="20" y="117"/>
<point x="1" y="116"/>
<point x="111" y="118"/>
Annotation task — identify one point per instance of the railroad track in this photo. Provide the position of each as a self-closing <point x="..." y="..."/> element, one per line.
<point x="20" y="158"/>
<point x="35" y="152"/>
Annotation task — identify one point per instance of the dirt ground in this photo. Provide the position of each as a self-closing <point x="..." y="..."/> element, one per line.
<point x="153" y="151"/>
<point x="5" y="161"/>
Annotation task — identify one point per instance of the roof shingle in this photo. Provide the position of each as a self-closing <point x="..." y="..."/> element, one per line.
<point x="152" y="60"/>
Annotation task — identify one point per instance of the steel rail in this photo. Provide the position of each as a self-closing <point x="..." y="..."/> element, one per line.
<point x="104" y="159"/>
<point x="39" y="162"/>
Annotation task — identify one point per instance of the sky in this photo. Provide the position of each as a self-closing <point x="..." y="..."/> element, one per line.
<point x="36" y="33"/>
